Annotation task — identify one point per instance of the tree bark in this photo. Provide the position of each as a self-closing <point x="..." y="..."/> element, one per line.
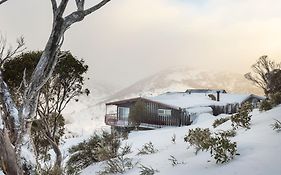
<point x="56" y="149"/>
<point x="8" y="155"/>
<point x="2" y="1"/>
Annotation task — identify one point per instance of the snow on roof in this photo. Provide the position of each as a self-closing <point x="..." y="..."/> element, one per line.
<point x="205" y="91"/>
<point x="186" y="100"/>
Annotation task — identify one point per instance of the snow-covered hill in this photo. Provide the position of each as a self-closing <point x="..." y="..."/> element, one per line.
<point x="259" y="149"/>
<point x="180" y="79"/>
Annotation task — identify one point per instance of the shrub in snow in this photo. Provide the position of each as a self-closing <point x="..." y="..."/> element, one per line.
<point x="199" y="138"/>
<point x="174" y="161"/>
<point x="124" y="135"/>
<point x="242" y="118"/>
<point x="51" y="170"/>
<point x="120" y="164"/>
<point x="147" y="170"/>
<point x="220" y="147"/>
<point x="174" y="138"/>
<point x="276" y="126"/>
<point x="98" y="148"/>
<point x="220" y="121"/>
<point x="147" y="148"/>
<point x="265" y="105"/>
<point x="228" y="133"/>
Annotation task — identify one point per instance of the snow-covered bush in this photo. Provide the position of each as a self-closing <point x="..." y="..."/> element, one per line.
<point x="220" y="121"/>
<point x="242" y="118"/>
<point x="220" y="147"/>
<point x="98" y="148"/>
<point x="276" y="126"/>
<point x="199" y="138"/>
<point x="147" y="148"/>
<point x="120" y="164"/>
<point x="147" y="170"/>
<point x="265" y="105"/>
<point x="228" y="133"/>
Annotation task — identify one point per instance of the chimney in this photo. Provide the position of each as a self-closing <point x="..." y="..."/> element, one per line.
<point x="218" y="95"/>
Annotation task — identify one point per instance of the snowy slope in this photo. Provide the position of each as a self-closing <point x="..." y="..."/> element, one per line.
<point x="86" y="115"/>
<point x="260" y="149"/>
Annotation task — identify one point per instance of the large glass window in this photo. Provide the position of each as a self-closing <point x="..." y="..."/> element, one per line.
<point x="164" y="112"/>
<point x="123" y="113"/>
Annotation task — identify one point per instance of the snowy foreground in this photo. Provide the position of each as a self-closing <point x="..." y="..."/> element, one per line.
<point x="259" y="149"/>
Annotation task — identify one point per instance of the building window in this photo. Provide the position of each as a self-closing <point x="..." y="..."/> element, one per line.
<point x="123" y="113"/>
<point x="164" y="112"/>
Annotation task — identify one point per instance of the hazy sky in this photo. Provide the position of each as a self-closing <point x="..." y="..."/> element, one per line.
<point x="130" y="39"/>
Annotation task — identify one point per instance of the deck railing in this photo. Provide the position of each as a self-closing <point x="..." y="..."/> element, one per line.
<point x="167" y="120"/>
<point x="111" y="119"/>
<point x="157" y="121"/>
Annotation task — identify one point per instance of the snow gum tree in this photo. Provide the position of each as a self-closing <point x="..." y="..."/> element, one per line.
<point x="262" y="73"/>
<point x="17" y="150"/>
<point x="64" y="85"/>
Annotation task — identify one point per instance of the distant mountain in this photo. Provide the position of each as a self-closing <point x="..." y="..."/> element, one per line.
<point x="180" y="79"/>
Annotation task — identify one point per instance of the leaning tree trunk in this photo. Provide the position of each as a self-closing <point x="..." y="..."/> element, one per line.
<point x="8" y="155"/>
<point x="56" y="149"/>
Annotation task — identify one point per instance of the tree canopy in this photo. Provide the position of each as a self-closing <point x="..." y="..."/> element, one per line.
<point x="260" y="71"/>
<point x="64" y="85"/>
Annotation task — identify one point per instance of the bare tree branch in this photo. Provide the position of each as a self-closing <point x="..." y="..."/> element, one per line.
<point x="2" y="1"/>
<point x="80" y="14"/>
<point x="61" y="8"/>
<point x="10" y="52"/>
<point x="96" y="7"/>
<point x="54" y="7"/>
<point x="80" y="4"/>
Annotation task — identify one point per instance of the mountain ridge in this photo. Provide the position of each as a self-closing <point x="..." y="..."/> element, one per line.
<point x="180" y="79"/>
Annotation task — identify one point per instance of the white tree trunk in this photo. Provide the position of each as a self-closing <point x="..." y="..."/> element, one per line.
<point x="23" y="151"/>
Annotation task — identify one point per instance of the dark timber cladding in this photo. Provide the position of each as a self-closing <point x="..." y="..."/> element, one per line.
<point x="152" y="116"/>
